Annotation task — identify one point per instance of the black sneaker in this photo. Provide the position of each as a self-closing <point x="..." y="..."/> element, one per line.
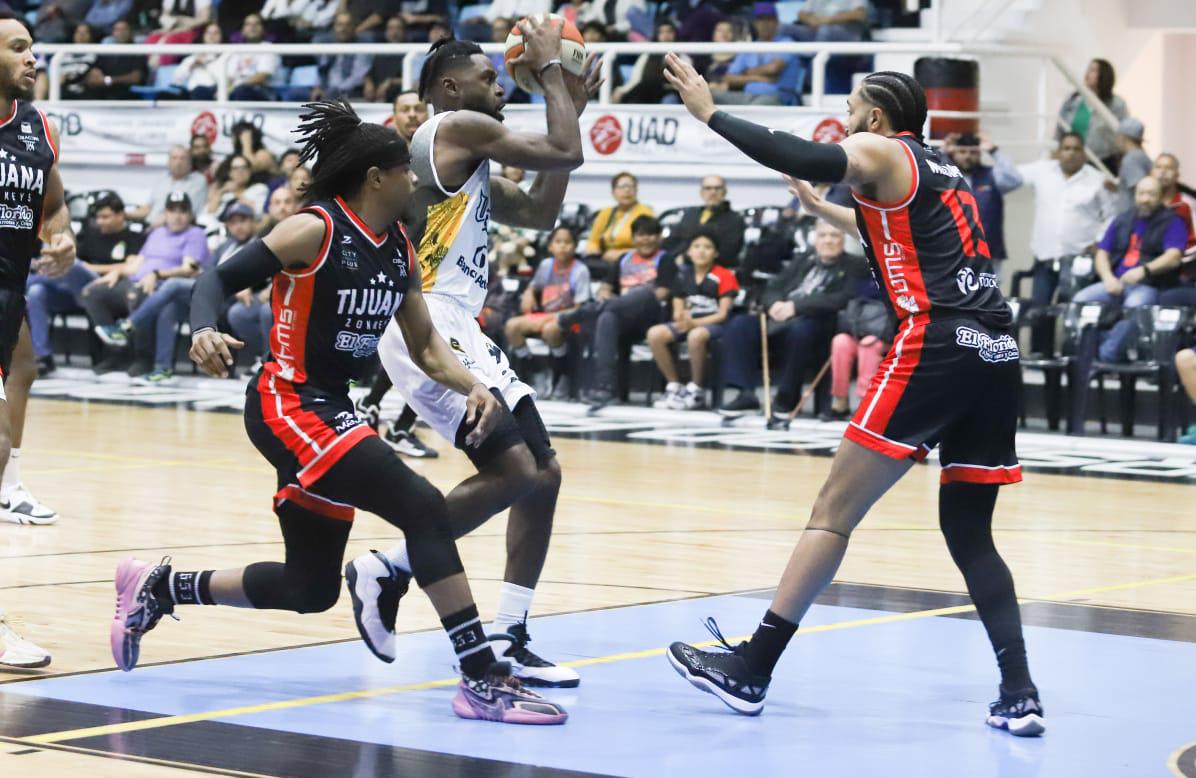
<point x="599" y="399"/>
<point x="45" y="366"/>
<point x="833" y="415"/>
<point x="140" y="367"/>
<point x="408" y="444"/>
<point x="1020" y="713"/>
<point x="723" y="673"/>
<point x="529" y="668"/>
<point x="371" y="414"/>
<point x="744" y="402"/>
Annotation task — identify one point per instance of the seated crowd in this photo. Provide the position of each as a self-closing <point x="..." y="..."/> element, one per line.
<point x="763" y="79"/>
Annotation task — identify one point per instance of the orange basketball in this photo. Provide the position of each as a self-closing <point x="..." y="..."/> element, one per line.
<point x="573" y="53"/>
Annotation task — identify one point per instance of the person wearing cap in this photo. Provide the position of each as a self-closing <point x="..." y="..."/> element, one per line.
<point x="1135" y="164"/>
<point x="176" y="249"/>
<point x="762" y="79"/>
<point x="989" y="183"/>
<point x="180" y="175"/>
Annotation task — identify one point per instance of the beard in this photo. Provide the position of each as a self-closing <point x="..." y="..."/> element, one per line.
<point x="14" y="89"/>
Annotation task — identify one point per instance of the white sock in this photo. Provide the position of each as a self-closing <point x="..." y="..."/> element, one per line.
<point x="12" y="474"/>
<point x="514" y="603"/>
<point x="693" y="388"/>
<point x="673" y="387"/>
<point x="398" y="556"/>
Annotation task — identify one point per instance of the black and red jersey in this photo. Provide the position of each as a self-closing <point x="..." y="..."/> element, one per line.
<point x="702" y="297"/>
<point x="928" y="251"/>
<point x="27" y="153"/>
<point x="328" y="318"/>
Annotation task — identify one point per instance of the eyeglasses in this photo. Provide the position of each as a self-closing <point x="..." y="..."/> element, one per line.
<point x="713" y="188"/>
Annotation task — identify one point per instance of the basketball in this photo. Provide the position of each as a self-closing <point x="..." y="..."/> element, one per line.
<point x="573" y="53"/>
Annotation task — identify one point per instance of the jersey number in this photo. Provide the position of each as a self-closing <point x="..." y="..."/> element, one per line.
<point x="973" y="241"/>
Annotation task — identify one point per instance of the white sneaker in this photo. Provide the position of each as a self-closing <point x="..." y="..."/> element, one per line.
<point x="18" y="506"/>
<point x="674" y="398"/>
<point x="694" y="398"/>
<point x="530" y="669"/>
<point x="16" y="651"/>
<point x="408" y="444"/>
<point x="376" y="587"/>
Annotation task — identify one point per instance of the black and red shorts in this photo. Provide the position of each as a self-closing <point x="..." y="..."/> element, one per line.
<point x="303" y="431"/>
<point x="953" y="384"/>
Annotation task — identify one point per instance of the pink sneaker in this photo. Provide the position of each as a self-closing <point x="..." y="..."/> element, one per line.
<point x="500" y="697"/>
<point x="137" y="609"/>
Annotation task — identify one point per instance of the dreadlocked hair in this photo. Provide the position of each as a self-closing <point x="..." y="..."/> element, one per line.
<point x="444" y="55"/>
<point x="344" y="148"/>
<point x="900" y="97"/>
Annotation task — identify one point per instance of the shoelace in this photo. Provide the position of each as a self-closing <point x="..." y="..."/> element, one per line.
<point x="710" y="624"/>
<point x="519" y="649"/>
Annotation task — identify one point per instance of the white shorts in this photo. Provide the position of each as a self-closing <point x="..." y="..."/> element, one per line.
<point x="441" y="408"/>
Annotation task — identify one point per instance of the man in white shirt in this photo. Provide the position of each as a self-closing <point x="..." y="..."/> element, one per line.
<point x="179" y="177"/>
<point x="249" y="74"/>
<point x="1071" y="206"/>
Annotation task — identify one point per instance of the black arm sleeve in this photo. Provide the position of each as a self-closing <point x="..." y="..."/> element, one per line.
<point x="785" y="153"/>
<point x="251" y="265"/>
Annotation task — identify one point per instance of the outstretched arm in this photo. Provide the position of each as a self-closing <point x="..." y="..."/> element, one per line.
<point x="817" y="205"/>
<point x="862" y="160"/>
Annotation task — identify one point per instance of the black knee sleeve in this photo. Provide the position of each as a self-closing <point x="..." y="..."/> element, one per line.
<point x="310" y="580"/>
<point x="535" y="434"/>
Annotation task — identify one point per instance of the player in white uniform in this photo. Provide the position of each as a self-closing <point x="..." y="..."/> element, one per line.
<point x="451" y="210"/>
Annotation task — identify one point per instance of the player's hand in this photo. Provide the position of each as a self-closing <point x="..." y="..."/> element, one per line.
<point x="692" y="88"/>
<point x="57" y="256"/>
<point x="1134" y="275"/>
<point x="584" y="88"/>
<point x="1113" y="285"/>
<point x="810" y="200"/>
<point x="210" y="350"/>
<point x="541" y="43"/>
<point x="481" y="412"/>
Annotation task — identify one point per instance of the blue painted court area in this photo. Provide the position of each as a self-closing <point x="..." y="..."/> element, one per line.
<point x="905" y="698"/>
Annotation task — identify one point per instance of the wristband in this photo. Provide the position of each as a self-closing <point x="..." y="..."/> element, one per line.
<point x="107" y="80"/>
<point x="202" y="329"/>
<point x="549" y="64"/>
<point x="1145" y="270"/>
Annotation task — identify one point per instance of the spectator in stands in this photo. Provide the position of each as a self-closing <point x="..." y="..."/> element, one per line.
<point x="509" y="277"/>
<point x="249" y="74"/>
<point x="702" y="295"/>
<point x="300" y="181"/>
<point x="629" y="302"/>
<point x="561" y="283"/>
<point x="439" y="30"/>
<point x="500" y="28"/>
<point x="1139" y="255"/>
<point x="249" y="314"/>
<point x="1071" y="207"/>
<point x="593" y="32"/>
<point x="1135" y="164"/>
<point x="181" y="16"/>
<point x="179" y="177"/>
<point x="989" y="183"/>
<point x="233" y="182"/>
<point x="614" y="15"/>
<point x="516" y="9"/>
<point x="175" y="249"/>
<point x="1094" y="132"/>
<point x="104" y="14"/>
<point x="201" y="158"/>
<point x="832" y="20"/>
<point x="56" y="19"/>
<point x="286" y="165"/>
<point x="283" y="203"/>
<point x="423" y="16"/>
<point x="102" y="245"/>
<point x="112" y="75"/>
<point x="762" y="79"/>
<point x="342" y="75"/>
<point x="714" y="216"/>
<point x="368" y="17"/>
<point x="802" y="304"/>
<point x="299" y="19"/>
<point x="716" y="69"/>
<point x="409" y="113"/>
<point x="1185" y="365"/>
<point x="199" y="74"/>
<point x="1166" y="172"/>
<point x="647" y="84"/>
<point x="384" y="81"/>
<point x="75" y="66"/>
<point x="611" y="232"/>
<point x="865" y="332"/>
<point x="249" y="142"/>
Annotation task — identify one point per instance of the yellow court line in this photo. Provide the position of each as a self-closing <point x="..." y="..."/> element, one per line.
<point x="188" y="718"/>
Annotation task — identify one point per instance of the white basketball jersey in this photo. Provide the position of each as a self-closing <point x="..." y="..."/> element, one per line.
<point x="452" y="252"/>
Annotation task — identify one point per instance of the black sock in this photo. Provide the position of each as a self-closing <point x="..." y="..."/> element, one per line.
<point x="965" y="517"/>
<point x="186" y="588"/>
<point x="406" y="420"/>
<point x="560" y="366"/>
<point x="473" y="651"/>
<point x="767" y="645"/>
<point x="378" y="389"/>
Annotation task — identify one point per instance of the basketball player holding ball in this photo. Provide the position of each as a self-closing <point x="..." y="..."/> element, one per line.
<point x="448" y="219"/>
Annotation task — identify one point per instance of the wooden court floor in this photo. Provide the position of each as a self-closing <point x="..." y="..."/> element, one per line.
<point x="636" y="524"/>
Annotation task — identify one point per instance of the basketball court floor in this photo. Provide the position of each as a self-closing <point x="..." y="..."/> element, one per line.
<point x="665" y="519"/>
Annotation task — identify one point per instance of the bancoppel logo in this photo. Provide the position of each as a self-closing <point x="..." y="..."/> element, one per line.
<point x="358" y="345"/>
<point x="968" y="282"/>
<point x="18" y="217"/>
<point x="606" y="135"/>
<point x="1002" y="349"/>
<point x="345" y="421"/>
